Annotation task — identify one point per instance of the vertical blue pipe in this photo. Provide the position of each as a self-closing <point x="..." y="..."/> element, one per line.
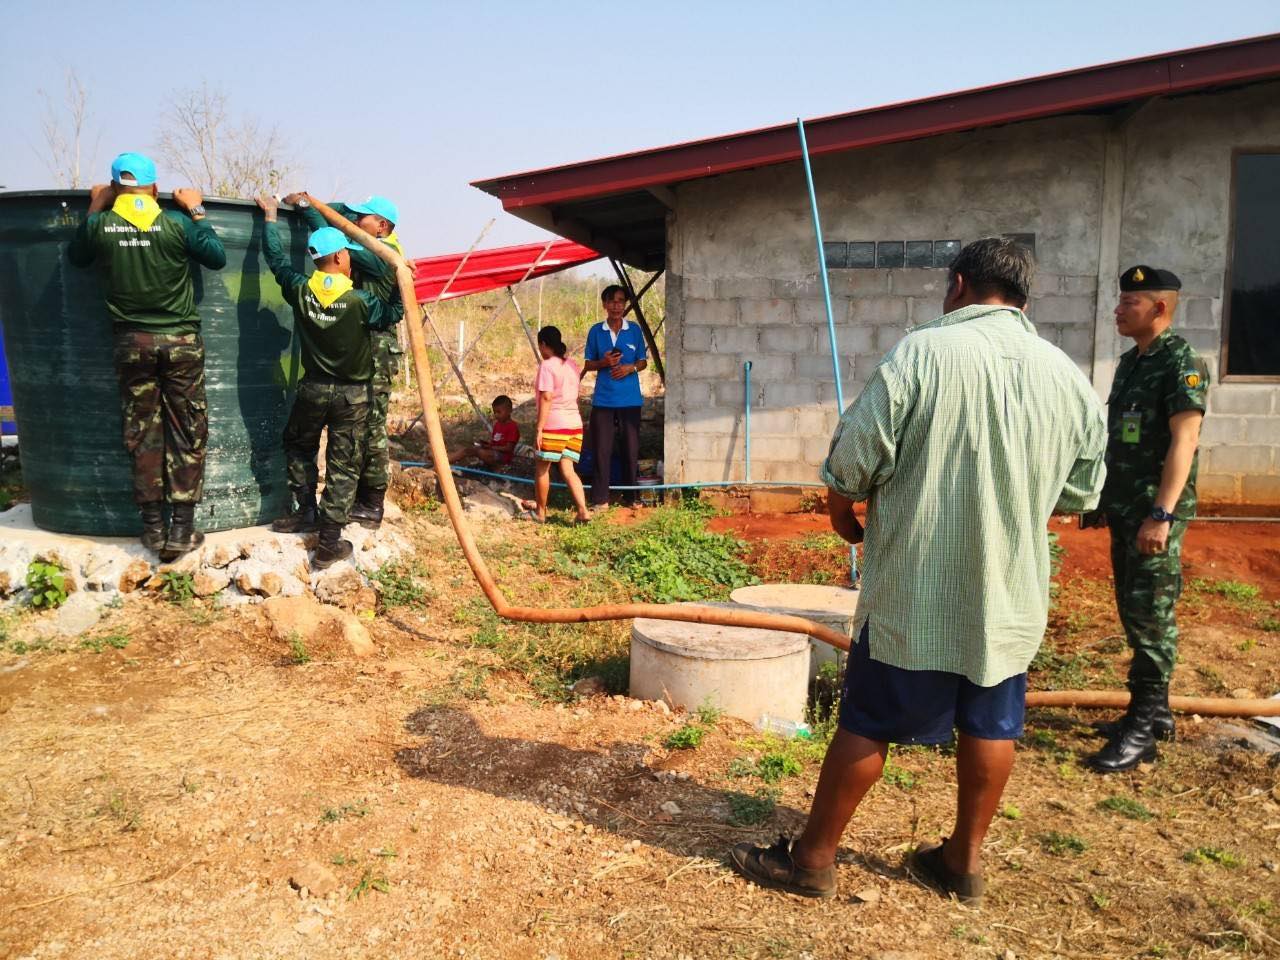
<point x="826" y="296"/>
<point x="746" y="376"/>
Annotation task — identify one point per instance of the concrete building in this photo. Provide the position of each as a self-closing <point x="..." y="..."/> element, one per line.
<point x="1171" y="160"/>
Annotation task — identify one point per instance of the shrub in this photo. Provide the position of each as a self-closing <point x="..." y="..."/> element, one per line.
<point x="48" y="585"/>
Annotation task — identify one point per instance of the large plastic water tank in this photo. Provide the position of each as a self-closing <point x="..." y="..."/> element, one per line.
<point x="58" y="335"/>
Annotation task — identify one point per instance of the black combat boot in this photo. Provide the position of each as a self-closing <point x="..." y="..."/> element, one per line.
<point x="1161" y="722"/>
<point x="153" y="532"/>
<point x="331" y="547"/>
<point x="183" y="535"/>
<point x="368" y="507"/>
<point x="1136" y="742"/>
<point x="302" y="520"/>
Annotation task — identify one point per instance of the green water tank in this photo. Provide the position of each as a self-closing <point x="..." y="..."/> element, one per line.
<point x="58" y="337"/>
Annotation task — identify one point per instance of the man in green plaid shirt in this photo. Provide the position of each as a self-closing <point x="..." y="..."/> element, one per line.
<point x="972" y="432"/>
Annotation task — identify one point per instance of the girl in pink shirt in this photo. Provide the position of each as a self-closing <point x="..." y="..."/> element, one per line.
<point x="559" y="432"/>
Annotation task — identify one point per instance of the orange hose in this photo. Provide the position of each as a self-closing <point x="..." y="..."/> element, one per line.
<point x="657" y="611"/>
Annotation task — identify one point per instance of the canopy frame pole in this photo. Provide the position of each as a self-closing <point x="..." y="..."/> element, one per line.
<point x="625" y="280"/>
<point x="524" y="325"/>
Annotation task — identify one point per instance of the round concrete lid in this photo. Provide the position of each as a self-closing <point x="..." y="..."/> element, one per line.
<point x="810" y="600"/>
<point x="709" y="641"/>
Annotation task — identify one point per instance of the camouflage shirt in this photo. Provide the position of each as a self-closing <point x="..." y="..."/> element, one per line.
<point x="1148" y="389"/>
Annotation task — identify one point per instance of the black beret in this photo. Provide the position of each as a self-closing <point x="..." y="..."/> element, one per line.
<point x="1143" y="277"/>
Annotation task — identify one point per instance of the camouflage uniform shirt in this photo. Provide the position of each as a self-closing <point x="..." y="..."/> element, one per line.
<point x="1148" y="389"/>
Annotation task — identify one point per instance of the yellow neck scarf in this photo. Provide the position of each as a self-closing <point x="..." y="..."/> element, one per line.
<point x="328" y="287"/>
<point x="140" y="209"/>
<point x="392" y="241"/>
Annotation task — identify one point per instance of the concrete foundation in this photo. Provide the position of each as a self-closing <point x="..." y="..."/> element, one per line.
<point x="832" y="607"/>
<point x="745" y="672"/>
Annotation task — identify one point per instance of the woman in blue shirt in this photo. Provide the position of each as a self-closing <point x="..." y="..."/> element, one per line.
<point x="616" y="349"/>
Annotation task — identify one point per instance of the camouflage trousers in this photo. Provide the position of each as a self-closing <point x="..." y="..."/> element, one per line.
<point x="166" y="418"/>
<point x="386" y="367"/>
<point x="343" y="408"/>
<point x="1147" y="590"/>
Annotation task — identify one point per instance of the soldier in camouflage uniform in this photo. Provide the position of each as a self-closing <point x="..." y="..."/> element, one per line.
<point x="1154" y="412"/>
<point x="377" y="216"/>
<point x="333" y="321"/>
<point x="146" y="257"/>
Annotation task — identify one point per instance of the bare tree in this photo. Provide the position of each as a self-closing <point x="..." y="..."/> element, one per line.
<point x="221" y="154"/>
<point x="63" y="128"/>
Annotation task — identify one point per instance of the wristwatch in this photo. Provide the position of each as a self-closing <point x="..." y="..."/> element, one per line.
<point x="197" y="211"/>
<point x="302" y="203"/>
<point x="1163" y="515"/>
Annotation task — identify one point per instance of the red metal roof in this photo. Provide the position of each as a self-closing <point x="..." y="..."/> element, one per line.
<point x="494" y="268"/>
<point x="1184" y="71"/>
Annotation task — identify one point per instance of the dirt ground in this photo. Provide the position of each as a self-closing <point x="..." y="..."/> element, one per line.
<point x="157" y="799"/>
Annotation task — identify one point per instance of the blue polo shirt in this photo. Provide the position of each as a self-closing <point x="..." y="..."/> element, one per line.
<point x="611" y="392"/>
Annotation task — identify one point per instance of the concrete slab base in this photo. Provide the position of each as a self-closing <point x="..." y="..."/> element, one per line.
<point x="237" y="566"/>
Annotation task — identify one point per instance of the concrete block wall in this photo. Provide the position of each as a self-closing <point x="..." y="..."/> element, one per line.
<point x="742" y="280"/>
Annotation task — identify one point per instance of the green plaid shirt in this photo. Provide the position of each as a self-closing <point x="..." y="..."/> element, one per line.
<point x="971" y="433"/>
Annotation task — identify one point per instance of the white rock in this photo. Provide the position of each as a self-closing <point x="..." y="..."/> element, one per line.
<point x="671" y="808"/>
<point x="79" y="613"/>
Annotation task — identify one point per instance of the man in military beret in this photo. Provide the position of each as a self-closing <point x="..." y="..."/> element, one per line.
<point x="1154" y="412"/>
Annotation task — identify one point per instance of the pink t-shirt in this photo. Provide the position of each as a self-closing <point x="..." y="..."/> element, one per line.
<point x="560" y="378"/>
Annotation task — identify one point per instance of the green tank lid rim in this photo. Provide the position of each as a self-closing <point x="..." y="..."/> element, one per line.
<point x="225" y="202"/>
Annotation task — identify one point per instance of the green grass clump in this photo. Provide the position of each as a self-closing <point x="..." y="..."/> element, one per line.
<point x="688" y="737"/>
<point x="1010" y="812"/>
<point x="116" y="641"/>
<point x="334" y="814"/>
<point x="668" y="557"/>
<point x="1234" y="590"/>
<point x="747" y="810"/>
<point x="297" y="649"/>
<point x="773" y="767"/>
<point x="1126" y="807"/>
<point x="177" y="586"/>
<point x="1218" y="855"/>
<point x="1063" y="844"/>
<point x="399" y="586"/>
<point x="48" y="585"/>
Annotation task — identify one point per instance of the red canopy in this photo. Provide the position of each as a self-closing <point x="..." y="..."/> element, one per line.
<point x="493" y="269"/>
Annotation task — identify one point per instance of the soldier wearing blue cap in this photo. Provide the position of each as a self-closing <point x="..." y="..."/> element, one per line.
<point x="378" y="217"/>
<point x="1154" y="412"/>
<point x="146" y="256"/>
<point x="333" y="320"/>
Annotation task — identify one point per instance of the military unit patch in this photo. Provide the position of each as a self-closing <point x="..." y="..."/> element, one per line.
<point x="1192" y="380"/>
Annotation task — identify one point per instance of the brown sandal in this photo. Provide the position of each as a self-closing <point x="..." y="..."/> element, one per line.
<point x="773" y="867"/>
<point x="927" y="865"/>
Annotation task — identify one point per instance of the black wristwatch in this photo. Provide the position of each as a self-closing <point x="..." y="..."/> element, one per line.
<point x="1163" y="515"/>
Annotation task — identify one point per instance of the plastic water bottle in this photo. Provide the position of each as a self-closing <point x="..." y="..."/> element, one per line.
<point x="783" y="727"/>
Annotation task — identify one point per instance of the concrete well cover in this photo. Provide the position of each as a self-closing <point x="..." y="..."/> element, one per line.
<point x="705" y="641"/>
<point x="812" y="600"/>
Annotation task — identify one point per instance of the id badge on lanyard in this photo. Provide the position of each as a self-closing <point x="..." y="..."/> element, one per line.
<point x="1131" y="426"/>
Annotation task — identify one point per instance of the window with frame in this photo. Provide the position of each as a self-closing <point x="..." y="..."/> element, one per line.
<point x="1253" y="296"/>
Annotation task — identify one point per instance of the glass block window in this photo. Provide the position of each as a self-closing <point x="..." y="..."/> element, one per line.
<point x="890" y="253"/>
<point x="862" y="255"/>
<point x="836" y="254"/>
<point x="1252" y="310"/>
<point x="919" y="253"/>
<point x="945" y="251"/>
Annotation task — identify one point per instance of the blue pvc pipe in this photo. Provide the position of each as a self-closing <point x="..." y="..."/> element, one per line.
<point x="473" y="471"/>
<point x="746" y="375"/>
<point x="826" y="296"/>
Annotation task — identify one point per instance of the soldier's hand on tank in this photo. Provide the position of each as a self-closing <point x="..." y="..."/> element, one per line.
<point x="101" y="196"/>
<point x="187" y="197"/>
<point x="269" y="206"/>
<point x="1093" y="519"/>
<point x="1153" y="537"/>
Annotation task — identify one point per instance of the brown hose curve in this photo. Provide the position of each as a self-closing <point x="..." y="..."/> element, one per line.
<point x="657" y="611"/>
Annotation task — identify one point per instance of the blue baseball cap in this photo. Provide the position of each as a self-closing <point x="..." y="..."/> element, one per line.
<point x="326" y="241"/>
<point x="380" y="207"/>
<point x="133" y="170"/>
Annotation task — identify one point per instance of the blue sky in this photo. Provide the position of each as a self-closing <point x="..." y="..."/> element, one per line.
<point x="415" y="100"/>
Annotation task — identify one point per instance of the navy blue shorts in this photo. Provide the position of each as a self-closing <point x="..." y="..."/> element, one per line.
<point x="887" y="703"/>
